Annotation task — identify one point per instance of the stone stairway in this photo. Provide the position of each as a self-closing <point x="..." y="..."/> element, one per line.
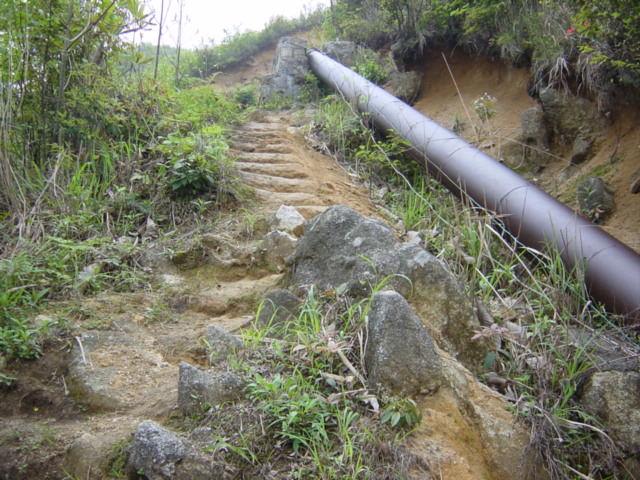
<point x="273" y="160"/>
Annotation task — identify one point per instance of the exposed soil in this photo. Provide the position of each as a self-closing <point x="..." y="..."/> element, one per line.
<point x="617" y="154"/>
<point x="41" y="417"/>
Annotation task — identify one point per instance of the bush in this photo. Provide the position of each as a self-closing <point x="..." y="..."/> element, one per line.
<point x="195" y="163"/>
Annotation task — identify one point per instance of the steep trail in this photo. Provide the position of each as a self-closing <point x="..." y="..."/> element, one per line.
<point x="42" y="426"/>
<point x="272" y="158"/>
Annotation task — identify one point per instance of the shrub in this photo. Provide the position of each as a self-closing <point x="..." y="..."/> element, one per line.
<point x="195" y="163"/>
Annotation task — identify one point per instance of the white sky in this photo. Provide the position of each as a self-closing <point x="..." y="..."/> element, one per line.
<point x="208" y="19"/>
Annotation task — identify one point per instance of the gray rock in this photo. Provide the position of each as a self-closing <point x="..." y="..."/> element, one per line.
<point x="614" y="397"/>
<point x="278" y="307"/>
<point x="535" y="135"/>
<point x="221" y="344"/>
<point x="343" y="250"/>
<point x="196" y="388"/>
<point x="570" y="117"/>
<point x="342" y="51"/>
<point x="159" y="454"/>
<point x="96" y="382"/>
<point x="156" y="451"/>
<point x="595" y="198"/>
<point x="88" y="453"/>
<point x="400" y="355"/>
<point x="534" y="128"/>
<point x="290" y="68"/>
<point x="277" y="246"/>
<point x="404" y="85"/>
<point x="581" y="151"/>
<point x="222" y="252"/>
<point x="287" y="219"/>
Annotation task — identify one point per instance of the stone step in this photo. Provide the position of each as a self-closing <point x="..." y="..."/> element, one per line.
<point x="263" y="157"/>
<point x="287" y="198"/>
<point x="252" y="147"/>
<point x="283" y="170"/>
<point x="278" y="184"/>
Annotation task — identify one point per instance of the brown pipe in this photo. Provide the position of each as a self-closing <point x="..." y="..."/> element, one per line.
<point x="611" y="269"/>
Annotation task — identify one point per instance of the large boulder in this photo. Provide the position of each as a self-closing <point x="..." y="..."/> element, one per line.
<point x="289" y="73"/>
<point x="570" y="117"/>
<point x="354" y="255"/>
<point x="400" y="356"/>
<point x="342" y="51"/>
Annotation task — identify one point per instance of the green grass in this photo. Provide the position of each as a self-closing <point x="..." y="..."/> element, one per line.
<point x="307" y="410"/>
<point x="519" y="288"/>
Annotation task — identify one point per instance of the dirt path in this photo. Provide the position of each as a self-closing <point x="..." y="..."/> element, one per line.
<point x="273" y="159"/>
<point x="121" y="365"/>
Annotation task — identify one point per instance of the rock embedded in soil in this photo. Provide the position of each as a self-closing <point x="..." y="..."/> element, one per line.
<point x="344" y="251"/>
<point x="400" y="356"/>
<point x="156" y="451"/>
<point x="614" y="398"/>
<point x="570" y="116"/>
<point x="220" y="344"/>
<point x="277" y="246"/>
<point x="595" y="198"/>
<point x="198" y="390"/>
<point x="288" y="219"/>
<point x="278" y="307"/>
<point x="87" y="453"/>
<point x="580" y="152"/>
<point x="104" y="363"/>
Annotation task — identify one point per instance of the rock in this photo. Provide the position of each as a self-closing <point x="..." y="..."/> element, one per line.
<point x="400" y="355"/>
<point x="221" y="344"/>
<point x="570" y="117"/>
<point x="534" y="128"/>
<point x="404" y="85"/>
<point x="290" y="68"/>
<point x="342" y="250"/>
<point x="535" y="136"/>
<point x="342" y="51"/>
<point x="507" y="441"/>
<point x="278" y="307"/>
<point x="288" y="219"/>
<point x="196" y="388"/>
<point x="614" y="398"/>
<point x="156" y="258"/>
<point x="277" y="246"/>
<point x="88" y="453"/>
<point x="580" y="152"/>
<point x="156" y="451"/>
<point x="159" y="454"/>
<point x="222" y="253"/>
<point x="96" y="381"/>
<point x="595" y="199"/>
